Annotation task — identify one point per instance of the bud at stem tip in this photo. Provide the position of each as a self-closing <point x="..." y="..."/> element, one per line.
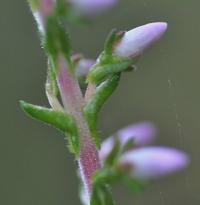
<point x="136" y="41"/>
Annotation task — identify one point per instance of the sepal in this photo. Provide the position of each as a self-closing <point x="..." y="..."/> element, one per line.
<point x="112" y="38"/>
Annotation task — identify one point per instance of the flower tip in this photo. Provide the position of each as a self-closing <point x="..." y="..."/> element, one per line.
<point x="159" y="28"/>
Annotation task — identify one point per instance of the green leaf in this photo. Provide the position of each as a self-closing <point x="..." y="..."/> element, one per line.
<point x="134" y="185"/>
<point x="96" y="197"/>
<point x="128" y="146"/>
<point x="101" y="94"/>
<point x="51" y="88"/>
<point x="113" y="155"/>
<point x="33" y="4"/>
<point x="61" y="8"/>
<point x="59" y="120"/>
<point x="51" y="80"/>
<point x="50" y="43"/>
<point x="56" y="40"/>
<point x="101" y="195"/>
<point x="73" y="143"/>
<point x="108" y="47"/>
<point x="106" y="69"/>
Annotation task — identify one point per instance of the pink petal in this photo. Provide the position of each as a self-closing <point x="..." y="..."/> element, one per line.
<point x="141" y="133"/>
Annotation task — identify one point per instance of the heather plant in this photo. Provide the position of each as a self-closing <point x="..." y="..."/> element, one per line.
<point x="77" y="88"/>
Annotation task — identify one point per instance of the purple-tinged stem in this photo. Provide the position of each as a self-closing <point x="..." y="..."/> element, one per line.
<point x="73" y="102"/>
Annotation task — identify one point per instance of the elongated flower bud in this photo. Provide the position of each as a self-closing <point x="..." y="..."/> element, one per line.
<point x="153" y="162"/>
<point x="141" y="133"/>
<point x="136" y="41"/>
<point x="92" y="7"/>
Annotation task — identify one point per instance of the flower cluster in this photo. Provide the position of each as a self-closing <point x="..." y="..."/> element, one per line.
<point x="143" y="162"/>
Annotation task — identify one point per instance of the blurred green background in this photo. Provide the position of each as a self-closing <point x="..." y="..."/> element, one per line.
<point x="35" y="166"/>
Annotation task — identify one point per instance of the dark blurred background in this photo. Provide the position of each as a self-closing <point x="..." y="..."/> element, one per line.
<point x="35" y="166"/>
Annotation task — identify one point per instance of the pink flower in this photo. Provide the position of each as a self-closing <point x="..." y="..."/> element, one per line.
<point x="136" y="41"/>
<point x="143" y="162"/>
<point x="141" y="133"/>
<point x="153" y="162"/>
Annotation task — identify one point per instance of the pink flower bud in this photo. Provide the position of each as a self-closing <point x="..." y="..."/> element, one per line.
<point x="141" y="133"/>
<point x="92" y="7"/>
<point x="136" y="41"/>
<point x="153" y="162"/>
<point x="83" y="67"/>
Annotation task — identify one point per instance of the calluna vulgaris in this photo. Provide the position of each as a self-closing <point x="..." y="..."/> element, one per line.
<point x="83" y="86"/>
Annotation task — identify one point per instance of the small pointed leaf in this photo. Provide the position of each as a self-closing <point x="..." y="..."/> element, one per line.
<point x="60" y="120"/>
<point x="108" y="47"/>
<point x="102" y="93"/>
